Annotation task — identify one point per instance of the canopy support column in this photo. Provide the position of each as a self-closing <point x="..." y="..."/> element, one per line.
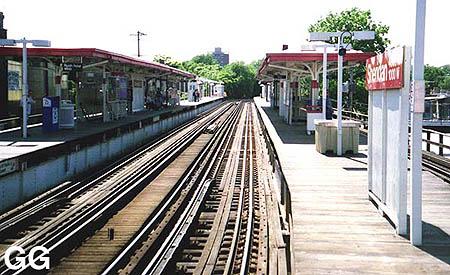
<point x="105" y="96"/>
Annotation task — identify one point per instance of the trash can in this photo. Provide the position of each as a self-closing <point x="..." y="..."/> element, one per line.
<point x="326" y="136"/>
<point x="67" y="114"/>
<point x="50" y="113"/>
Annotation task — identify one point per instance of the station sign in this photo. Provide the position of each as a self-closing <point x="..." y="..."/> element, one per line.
<point x="388" y="80"/>
<point x="72" y="67"/>
<point x="385" y="71"/>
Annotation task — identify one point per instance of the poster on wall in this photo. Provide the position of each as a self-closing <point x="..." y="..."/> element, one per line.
<point x="123" y="84"/>
<point x="13" y="81"/>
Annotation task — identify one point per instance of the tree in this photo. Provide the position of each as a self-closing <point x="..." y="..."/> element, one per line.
<point x="207" y="59"/>
<point x="238" y="77"/>
<point x="437" y="78"/>
<point x="355" y="19"/>
<point x="167" y="60"/>
<point x="240" y="80"/>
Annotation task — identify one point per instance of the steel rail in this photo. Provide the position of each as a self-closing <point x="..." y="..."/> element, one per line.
<point x="238" y="222"/>
<point x="120" y="260"/>
<point x="165" y="252"/>
<point x="96" y="212"/>
<point x="58" y="195"/>
<point x="206" y="263"/>
<point x="249" y="229"/>
<point x="142" y="164"/>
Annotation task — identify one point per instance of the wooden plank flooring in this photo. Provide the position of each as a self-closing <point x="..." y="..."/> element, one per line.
<point x="337" y="230"/>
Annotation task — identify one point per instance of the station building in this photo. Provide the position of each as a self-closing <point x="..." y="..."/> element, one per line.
<point x="80" y="76"/>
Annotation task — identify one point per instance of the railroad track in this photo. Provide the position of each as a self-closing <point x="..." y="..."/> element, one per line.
<point x="437" y="165"/>
<point x="217" y="220"/>
<point x="199" y="201"/>
<point x="62" y="218"/>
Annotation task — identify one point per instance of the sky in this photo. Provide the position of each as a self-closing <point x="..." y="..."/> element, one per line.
<point x="245" y="29"/>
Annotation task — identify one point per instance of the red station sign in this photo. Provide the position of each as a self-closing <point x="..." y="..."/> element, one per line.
<point x="385" y="71"/>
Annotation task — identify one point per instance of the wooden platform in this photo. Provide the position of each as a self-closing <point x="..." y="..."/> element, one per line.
<point x="337" y="230"/>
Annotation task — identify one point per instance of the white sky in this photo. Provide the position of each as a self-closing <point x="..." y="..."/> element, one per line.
<point x="184" y="28"/>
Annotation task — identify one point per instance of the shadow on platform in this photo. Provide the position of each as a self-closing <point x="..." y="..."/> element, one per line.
<point x="289" y="134"/>
<point x="296" y="133"/>
<point x="435" y="241"/>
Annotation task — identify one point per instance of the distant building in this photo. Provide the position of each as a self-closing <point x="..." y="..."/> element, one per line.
<point x="221" y="57"/>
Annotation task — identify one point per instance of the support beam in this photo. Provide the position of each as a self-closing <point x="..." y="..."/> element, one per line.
<point x="3" y="75"/>
<point x="105" y="96"/>
<point x="289" y="69"/>
<point x="324" y="84"/>
<point x="416" y="123"/>
<point x="339" y="101"/>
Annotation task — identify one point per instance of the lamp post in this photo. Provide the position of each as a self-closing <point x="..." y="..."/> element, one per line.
<point x="324" y="72"/>
<point x="24" y="42"/>
<point x="325" y="37"/>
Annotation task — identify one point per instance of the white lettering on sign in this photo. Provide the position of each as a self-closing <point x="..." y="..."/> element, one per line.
<point x="37" y="262"/>
<point x="385" y="71"/>
<point x="8" y="166"/>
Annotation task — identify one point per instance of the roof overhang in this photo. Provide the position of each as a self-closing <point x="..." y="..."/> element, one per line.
<point x="93" y="53"/>
<point x="305" y="63"/>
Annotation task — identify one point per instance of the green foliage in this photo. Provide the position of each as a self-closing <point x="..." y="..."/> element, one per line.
<point x="239" y="79"/>
<point x="167" y="60"/>
<point x="355" y="20"/>
<point x="206" y="59"/>
<point x="437" y="78"/>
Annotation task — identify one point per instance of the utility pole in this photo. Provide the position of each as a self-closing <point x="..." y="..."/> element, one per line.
<point x="138" y="34"/>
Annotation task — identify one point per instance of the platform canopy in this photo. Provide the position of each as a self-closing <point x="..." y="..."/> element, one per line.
<point x="280" y="73"/>
<point x="90" y="57"/>
<point x="306" y="63"/>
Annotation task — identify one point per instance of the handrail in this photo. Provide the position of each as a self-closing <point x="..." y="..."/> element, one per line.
<point x="441" y="146"/>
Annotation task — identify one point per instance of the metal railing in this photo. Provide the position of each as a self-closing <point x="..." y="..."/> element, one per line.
<point x="441" y="145"/>
<point x="364" y="120"/>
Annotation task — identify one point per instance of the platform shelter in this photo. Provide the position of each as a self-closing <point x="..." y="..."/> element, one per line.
<point x="96" y="81"/>
<point x="281" y="73"/>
